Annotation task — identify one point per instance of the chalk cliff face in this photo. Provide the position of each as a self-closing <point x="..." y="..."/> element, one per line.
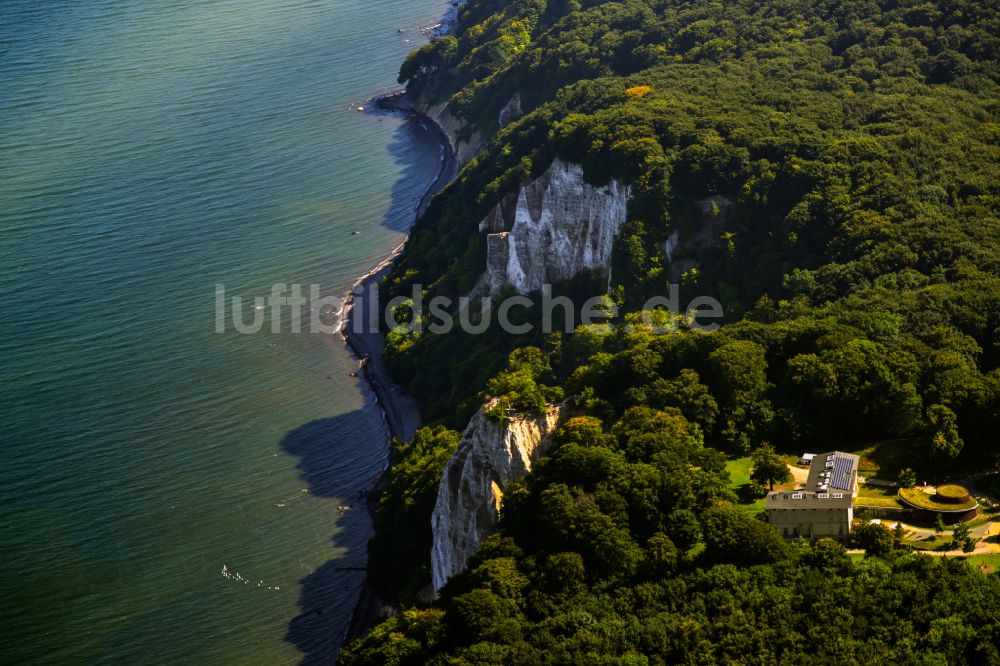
<point x="511" y="111"/>
<point x="555" y="227"/>
<point x="465" y="140"/>
<point x="490" y="455"/>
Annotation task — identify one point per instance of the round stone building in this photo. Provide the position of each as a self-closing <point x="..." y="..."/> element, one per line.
<point x="951" y="502"/>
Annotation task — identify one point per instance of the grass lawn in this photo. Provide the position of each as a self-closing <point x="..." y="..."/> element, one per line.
<point x="917" y="497"/>
<point x="929" y="543"/>
<point x="990" y="562"/>
<point x="883" y="502"/>
<point x="877" y="496"/>
<point x="983" y="518"/>
<point x="739" y="481"/>
<point x="865" y="490"/>
<point x="739" y="471"/>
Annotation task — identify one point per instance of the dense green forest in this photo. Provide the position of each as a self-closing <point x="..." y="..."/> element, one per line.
<point x="857" y="143"/>
<point x="622" y="549"/>
<point x="852" y="150"/>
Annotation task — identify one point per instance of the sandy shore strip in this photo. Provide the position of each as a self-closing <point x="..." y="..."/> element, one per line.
<point x="400" y="410"/>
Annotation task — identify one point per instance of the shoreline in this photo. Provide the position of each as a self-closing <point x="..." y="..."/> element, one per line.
<point x="401" y="414"/>
<point x="399" y="410"/>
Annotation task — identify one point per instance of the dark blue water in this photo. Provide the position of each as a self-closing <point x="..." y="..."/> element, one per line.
<point x="150" y="150"/>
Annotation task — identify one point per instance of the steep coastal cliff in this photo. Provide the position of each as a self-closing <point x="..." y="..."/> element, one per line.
<point x="825" y="173"/>
<point x="553" y="228"/>
<point x="465" y="140"/>
<point x="490" y="455"/>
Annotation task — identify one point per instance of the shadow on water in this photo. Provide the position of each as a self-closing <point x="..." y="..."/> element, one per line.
<point x="339" y="457"/>
<point x="342" y="457"/>
<point x="418" y="147"/>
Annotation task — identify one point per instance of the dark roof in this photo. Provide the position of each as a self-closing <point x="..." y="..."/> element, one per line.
<point x="830" y="485"/>
<point x="834" y="471"/>
<point x="804" y="499"/>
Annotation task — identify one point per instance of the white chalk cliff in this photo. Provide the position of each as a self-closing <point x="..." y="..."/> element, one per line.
<point x="490" y="456"/>
<point x="553" y="228"/>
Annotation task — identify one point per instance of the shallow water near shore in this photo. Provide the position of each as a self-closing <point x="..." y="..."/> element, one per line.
<point x="170" y="493"/>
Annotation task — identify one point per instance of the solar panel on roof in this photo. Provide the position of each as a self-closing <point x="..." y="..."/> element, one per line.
<point x="842" y="468"/>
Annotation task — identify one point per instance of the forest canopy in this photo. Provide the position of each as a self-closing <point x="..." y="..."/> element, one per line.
<point x="850" y="152"/>
<point x="829" y="172"/>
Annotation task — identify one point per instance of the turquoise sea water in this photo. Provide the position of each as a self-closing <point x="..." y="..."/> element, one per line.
<point x="150" y="149"/>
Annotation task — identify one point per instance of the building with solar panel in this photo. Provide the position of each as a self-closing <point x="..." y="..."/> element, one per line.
<point x="824" y="507"/>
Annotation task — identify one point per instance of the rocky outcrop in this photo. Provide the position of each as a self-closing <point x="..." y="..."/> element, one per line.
<point x="553" y="228"/>
<point x="511" y="111"/>
<point x="684" y="251"/>
<point x="465" y="140"/>
<point x="490" y="455"/>
<point x="500" y="216"/>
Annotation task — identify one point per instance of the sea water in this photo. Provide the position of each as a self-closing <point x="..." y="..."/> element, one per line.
<point x="172" y="494"/>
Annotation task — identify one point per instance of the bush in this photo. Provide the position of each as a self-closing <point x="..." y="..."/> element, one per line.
<point x="907" y="477"/>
